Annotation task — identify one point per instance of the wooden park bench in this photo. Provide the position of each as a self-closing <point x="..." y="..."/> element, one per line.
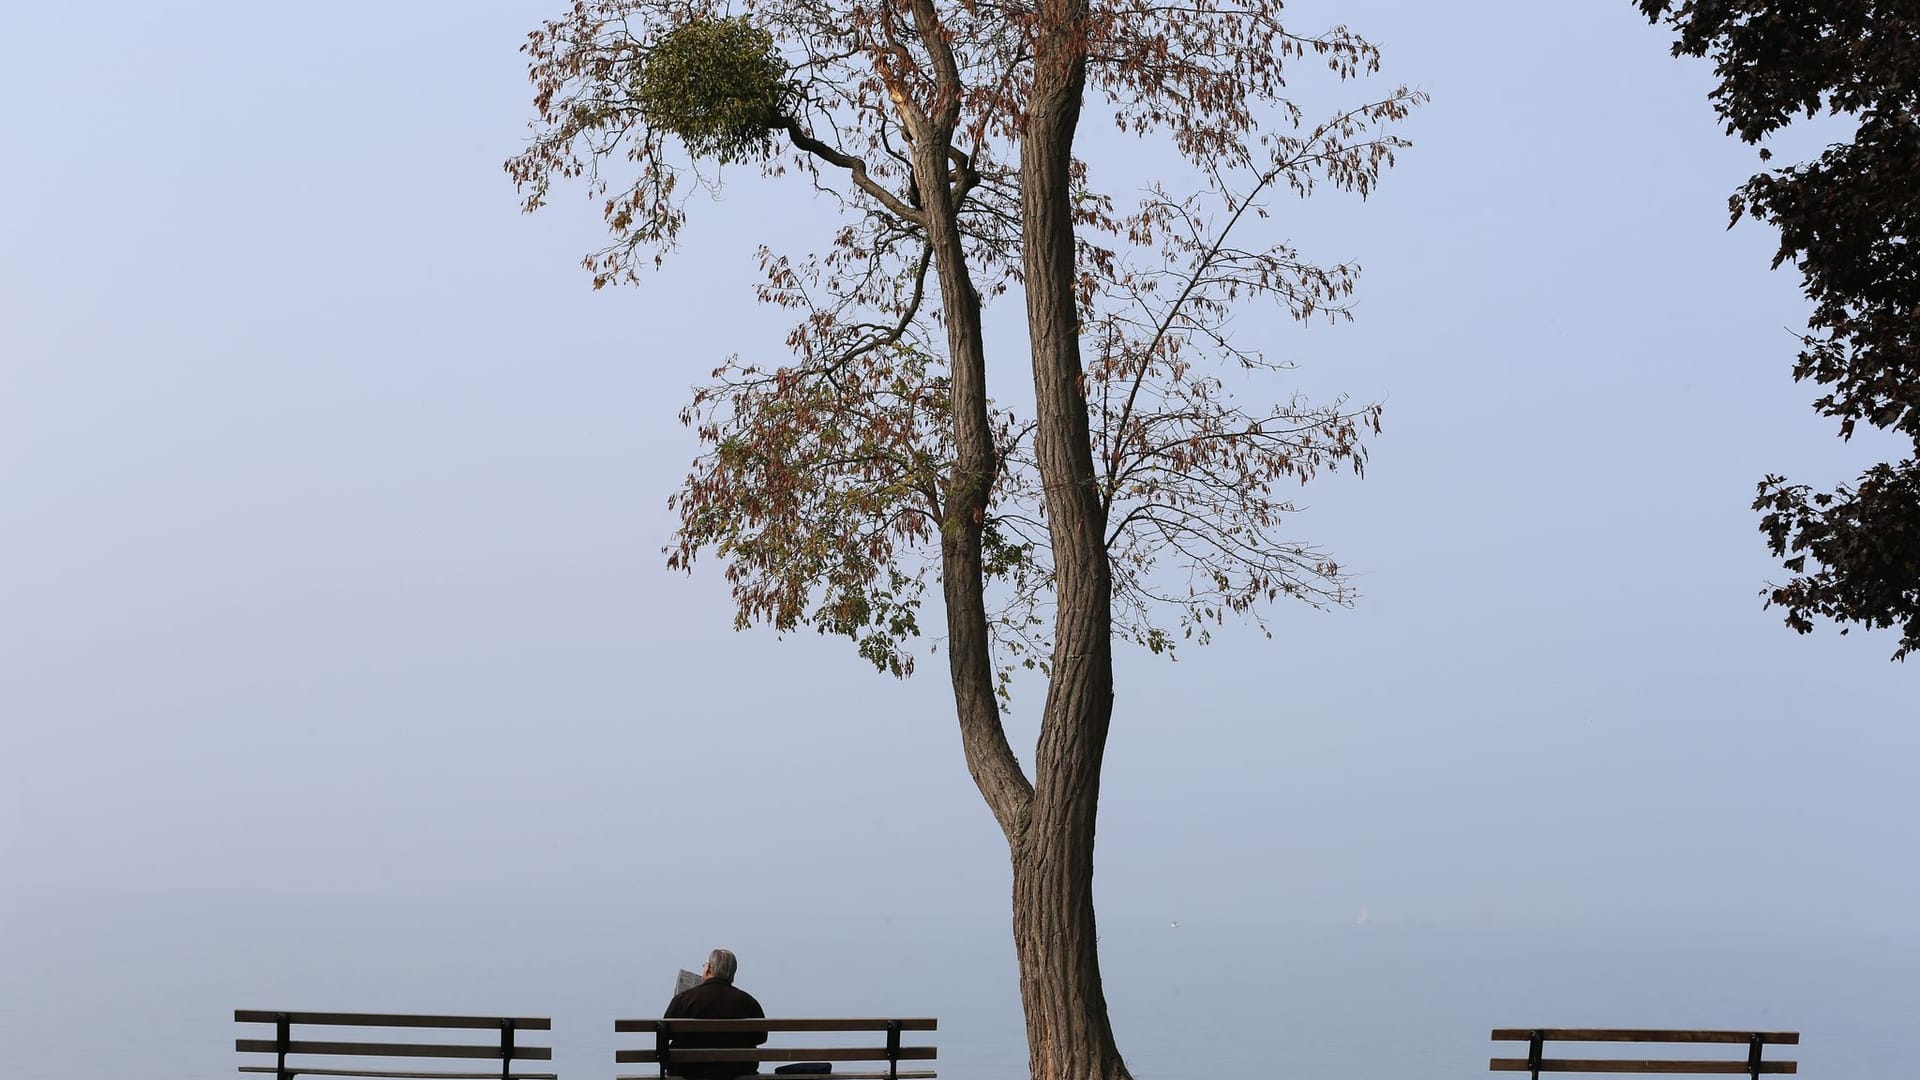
<point x="391" y="1058"/>
<point x="881" y="1044"/>
<point x="1536" y="1061"/>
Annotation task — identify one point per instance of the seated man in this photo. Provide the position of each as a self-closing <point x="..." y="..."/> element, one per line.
<point x="715" y="998"/>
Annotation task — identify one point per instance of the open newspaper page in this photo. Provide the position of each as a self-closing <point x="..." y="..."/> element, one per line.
<point x="686" y="981"/>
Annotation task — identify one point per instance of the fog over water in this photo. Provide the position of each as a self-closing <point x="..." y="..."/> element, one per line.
<point x="1372" y="1002"/>
<point x="339" y="668"/>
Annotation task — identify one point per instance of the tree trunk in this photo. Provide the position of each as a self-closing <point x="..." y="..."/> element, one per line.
<point x="990" y="759"/>
<point x="1049" y="821"/>
<point x="1068" y="1034"/>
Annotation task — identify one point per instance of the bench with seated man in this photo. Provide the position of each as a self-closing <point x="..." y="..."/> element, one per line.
<point x="715" y="998"/>
<point x="715" y="1031"/>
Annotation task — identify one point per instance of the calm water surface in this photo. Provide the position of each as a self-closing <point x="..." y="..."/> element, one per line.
<point x="98" y="994"/>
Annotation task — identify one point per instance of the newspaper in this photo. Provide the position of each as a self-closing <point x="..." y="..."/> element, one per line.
<point x="684" y="982"/>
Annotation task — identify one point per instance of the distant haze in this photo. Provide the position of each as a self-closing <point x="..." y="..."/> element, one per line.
<point x="332" y="500"/>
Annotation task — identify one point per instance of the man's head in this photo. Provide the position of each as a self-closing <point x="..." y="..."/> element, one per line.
<point x="721" y="964"/>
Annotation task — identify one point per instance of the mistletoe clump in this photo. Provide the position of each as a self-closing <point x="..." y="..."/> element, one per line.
<point x="718" y="84"/>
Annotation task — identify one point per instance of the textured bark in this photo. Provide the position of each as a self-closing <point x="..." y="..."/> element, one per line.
<point x="930" y="123"/>
<point x="969" y="645"/>
<point x="1068" y="1034"/>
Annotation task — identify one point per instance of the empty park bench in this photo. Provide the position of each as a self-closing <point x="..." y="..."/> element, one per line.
<point x="881" y="1046"/>
<point x="1536" y="1061"/>
<point x="368" y="1057"/>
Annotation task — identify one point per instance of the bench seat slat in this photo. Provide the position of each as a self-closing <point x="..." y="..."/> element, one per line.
<point x="1623" y="1065"/>
<point x="357" y="1049"/>
<point x="778" y="1053"/>
<point x="392" y="1020"/>
<point x="922" y="1023"/>
<point x="903" y="1074"/>
<point x="1654" y="1035"/>
<point x="417" y="1075"/>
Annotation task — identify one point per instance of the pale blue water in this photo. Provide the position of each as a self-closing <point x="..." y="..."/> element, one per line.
<point x="113" y="991"/>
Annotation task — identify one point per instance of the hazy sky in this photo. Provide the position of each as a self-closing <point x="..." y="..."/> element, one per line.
<point x="332" y="504"/>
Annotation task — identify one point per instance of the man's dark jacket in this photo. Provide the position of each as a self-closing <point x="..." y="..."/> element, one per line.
<point x="715" y="999"/>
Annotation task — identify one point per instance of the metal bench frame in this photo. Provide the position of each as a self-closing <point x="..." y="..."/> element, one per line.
<point x="1536" y="1061"/>
<point x="507" y="1051"/>
<point x="892" y="1052"/>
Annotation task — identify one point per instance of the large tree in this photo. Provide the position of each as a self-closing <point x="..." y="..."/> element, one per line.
<point x="1134" y="497"/>
<point x="1850" y="220"/>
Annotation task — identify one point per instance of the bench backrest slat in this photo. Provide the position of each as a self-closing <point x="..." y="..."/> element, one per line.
<point x="391" y="1020"/>
<point x="369" y="1049"/>
<point x="923" y="1023"/>
<point x="1652" y="1035"/>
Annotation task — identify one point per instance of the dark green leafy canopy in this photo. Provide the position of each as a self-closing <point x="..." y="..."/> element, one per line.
<point x="1848" y="219"/>
<point x="718" y="84"/>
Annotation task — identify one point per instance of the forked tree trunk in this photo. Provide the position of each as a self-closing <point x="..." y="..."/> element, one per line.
<point x="1048" y="821"/>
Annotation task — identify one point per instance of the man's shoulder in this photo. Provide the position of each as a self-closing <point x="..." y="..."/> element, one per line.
<point x="711" y="997"/>
<point x="733" y="1000"/>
